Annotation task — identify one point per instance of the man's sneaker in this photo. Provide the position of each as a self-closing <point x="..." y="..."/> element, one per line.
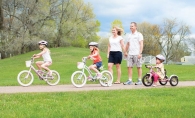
<point x="128" y="82"/>
<point x="138" y="82"/>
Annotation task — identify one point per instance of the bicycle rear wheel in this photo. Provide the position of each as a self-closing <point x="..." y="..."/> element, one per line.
<point x="106" y="79"/>
<point x="174" y="80"/>
<point x="54" y="80"/>
<point x="25" y="78"/>
<point x="163" y="82"/>
<point x="78" y="79"/>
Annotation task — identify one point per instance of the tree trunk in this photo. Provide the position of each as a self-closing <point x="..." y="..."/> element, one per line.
<point x="1" y="16"/>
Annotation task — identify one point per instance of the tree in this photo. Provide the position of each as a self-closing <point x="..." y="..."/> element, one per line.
<point x="192" y="45"/>
<point x="76" y="19"/>
<point x="168" y="39"/>
<point x="173" y="34"/>
<point x="116" y="23"/>
<point x="61" y="22"/>
<point x="1" y="16"/>
<point x="150" y="33"/>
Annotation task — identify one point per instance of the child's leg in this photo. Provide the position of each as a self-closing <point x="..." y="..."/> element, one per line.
<point x="45" y="66"/>
<point x="38" y="64"/>
<point x="155" y="78"/>
<point x="94" y="68"/>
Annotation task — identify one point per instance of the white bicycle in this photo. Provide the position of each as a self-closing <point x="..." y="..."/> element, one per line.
<point x="26" y="78"/>
<point x="79" y="78"/>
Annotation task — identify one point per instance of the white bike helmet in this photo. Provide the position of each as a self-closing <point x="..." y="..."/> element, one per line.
<point x="93" y="44"/>
<point x="161" y="57"/>
<point x="43" y="43"/>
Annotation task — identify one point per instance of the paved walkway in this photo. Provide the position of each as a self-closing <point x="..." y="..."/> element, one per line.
<point x="87" y="87"/>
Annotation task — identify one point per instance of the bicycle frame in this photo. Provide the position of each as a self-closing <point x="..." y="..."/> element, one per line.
<point x="33" y="68"/>
<point x="87" y="68"/>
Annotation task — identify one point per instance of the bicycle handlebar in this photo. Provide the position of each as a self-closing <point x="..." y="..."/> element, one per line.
<point x="32" y="59"/>
<point x="151" y="66"/>
<point x="84" y="59"/>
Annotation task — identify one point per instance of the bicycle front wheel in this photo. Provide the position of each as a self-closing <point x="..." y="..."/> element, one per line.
<point x="147" y="81"/>
<point x="106" y="79"/>
<point x="78" y="79"/>
<point x="25" y="78"/>
<point x="54" y="80"/>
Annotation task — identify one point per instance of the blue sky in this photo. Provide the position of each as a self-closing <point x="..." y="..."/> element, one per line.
<point x="152" y="11"/>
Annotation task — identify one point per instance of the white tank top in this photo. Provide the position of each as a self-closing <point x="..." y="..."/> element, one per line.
<point x="46" y="56"/>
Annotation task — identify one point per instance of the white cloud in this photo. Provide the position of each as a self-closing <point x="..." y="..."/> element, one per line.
<point x="153" y="11"/>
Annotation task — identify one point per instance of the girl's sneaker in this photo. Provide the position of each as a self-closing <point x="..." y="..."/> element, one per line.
<point x="49" y="74"/>
<point x="89" y="78"/>
<point x="99" y="75"/>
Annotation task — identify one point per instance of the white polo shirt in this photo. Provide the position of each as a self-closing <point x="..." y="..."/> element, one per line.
<point x="134" y="45"/>
<point x="115" y="44"/>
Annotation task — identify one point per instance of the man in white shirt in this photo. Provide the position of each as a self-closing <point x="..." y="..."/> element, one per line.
<point x="134" y="48"/>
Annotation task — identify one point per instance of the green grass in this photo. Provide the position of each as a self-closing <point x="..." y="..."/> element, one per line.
<point x="142" y="103"/>
<point x="65" y="60"/>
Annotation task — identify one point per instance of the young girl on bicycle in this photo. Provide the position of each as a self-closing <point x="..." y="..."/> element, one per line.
<point x="45" y="53"/>
<point x="159" y="69"/>
<point x="95" y="56"/>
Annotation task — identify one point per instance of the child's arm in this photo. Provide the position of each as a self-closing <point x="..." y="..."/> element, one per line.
<point x="35" y="56"/>
<point x="92" y="56"/>
<point x="159" y="66"/>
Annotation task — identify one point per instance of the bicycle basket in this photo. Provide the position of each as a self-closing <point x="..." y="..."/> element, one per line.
<point x="80" y="65"/>
<point x="28" y="63"/>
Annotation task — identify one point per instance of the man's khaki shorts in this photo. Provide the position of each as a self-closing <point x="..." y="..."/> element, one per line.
<point x="133" y="60"/>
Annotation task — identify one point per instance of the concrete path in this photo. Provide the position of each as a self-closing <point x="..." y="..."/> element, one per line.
<point x="87" y="87"/>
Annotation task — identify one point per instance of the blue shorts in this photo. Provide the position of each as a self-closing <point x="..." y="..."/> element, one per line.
<point x="115" y="57"/>
<point x="98" y="64"/>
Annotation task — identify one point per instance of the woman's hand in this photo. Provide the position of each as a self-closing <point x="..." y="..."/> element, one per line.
<point x="107" y="55"/>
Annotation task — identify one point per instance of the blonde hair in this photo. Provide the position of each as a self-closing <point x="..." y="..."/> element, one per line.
<point x="119" y="30"/>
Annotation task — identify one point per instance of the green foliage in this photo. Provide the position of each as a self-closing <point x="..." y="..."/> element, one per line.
<point x="142" y="103"/>
<point x="103" y="44"/>
<point x="80" y="42"/>
<point x="60" y="22"/>
<point x="117" y="23"/>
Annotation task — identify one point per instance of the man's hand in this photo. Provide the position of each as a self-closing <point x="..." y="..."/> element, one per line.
<point x="139" y="56"/>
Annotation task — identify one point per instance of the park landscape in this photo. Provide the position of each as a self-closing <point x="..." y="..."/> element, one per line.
<point x="69" y="26"/>
<point x="162" y="102"/>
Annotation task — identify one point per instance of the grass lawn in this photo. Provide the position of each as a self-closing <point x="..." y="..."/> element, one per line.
<point x="142" y="103"/>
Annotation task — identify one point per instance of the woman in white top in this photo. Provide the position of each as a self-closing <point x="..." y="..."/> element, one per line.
<point x="45" y="53"/>
<point x="114" y="55"/>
